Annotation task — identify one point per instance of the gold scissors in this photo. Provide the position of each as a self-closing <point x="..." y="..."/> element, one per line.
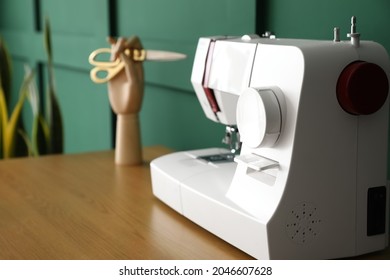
<point x="106" y="70"/>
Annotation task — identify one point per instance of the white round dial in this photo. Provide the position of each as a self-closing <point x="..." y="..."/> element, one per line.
<point x="259" y="117"/>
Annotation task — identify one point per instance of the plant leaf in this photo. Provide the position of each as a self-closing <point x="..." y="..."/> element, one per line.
<point x="9" y="136"/>
<point x="47" y="40"/>
<point x="38" y="144"/>
<point x="43" y="135"/>
<point x="5" y="70"/>
<point x="30" y="148"/>
<point x="3" y="119"/>
<point x="3" y="109"/>
<point x="55" y="125"/>
<point x="53" y="112"/>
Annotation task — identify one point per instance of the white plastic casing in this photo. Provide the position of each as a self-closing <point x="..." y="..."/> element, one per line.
<point x="227" y="58"/>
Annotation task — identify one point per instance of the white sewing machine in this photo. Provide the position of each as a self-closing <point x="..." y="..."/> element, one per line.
<point x="310" y="181"/>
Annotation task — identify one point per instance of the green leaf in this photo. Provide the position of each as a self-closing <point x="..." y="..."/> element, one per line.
<point x="53" y="111"/>
<point x="5" y="70"/>
<point x="38" y="144"/>
<point x="3" y="118"/>
<point x="42" y="135"/>
<point x="24" y="137"/>
<point x="55" y="124"/>
<point x="47" y="40"/>
<point x="10" y="139"/>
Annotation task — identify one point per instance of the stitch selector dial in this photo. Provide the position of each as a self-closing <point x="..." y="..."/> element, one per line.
<point x="362" y="88"/>
<point x="259" y="116"/>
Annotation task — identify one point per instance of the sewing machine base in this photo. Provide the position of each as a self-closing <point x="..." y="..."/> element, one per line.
<point x="198" y="189"/>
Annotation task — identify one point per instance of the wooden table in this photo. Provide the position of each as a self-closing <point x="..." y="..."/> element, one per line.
<point x="84" y="207"/>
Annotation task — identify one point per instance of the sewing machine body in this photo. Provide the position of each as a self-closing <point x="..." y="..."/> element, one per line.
<point x="312" y="183"/>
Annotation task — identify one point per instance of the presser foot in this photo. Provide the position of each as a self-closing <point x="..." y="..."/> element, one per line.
<point x="232" y="139"/>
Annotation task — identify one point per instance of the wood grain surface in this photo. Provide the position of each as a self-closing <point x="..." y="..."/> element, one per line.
<point x="83" y="206"/>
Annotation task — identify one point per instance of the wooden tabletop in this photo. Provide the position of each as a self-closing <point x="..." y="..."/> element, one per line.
<point x="83" y="206"/>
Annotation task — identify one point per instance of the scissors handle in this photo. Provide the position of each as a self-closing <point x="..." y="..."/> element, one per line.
<point x="134" y="54"/>
<point x="103" y="74"/>
<point x="106" y="70"/>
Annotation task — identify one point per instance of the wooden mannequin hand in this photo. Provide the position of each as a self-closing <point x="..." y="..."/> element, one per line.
<point x="126" y="89"/>
<point x="125" y="92"/>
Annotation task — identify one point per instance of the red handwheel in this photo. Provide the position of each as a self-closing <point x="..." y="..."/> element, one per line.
<point x="362" y="88"/>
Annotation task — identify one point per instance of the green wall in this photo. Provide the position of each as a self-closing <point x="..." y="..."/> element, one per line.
<point x="77" y="28"/>
<point x="171" y="114"/>
<point x="313" y="19"/>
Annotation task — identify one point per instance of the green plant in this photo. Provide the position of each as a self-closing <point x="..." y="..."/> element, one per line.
<point x="10" y="123"/>
<point x="46" y="132"/>
<point x="53" y="112"/>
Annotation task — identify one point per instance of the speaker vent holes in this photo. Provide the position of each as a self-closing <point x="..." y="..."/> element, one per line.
<point x="303" y="223"/>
